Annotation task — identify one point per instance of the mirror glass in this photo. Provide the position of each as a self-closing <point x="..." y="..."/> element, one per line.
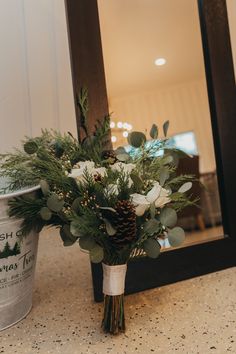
<point x="155" y="72"/>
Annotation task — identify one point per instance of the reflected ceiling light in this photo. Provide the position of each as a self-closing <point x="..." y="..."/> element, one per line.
<point x="125" y="134"/>
<point x="129" y="127"/>
<point x="112" y="125"/>
<point x="113" y="138"/>
<point x="119" y="125"/>
<point x="160" y="61"/>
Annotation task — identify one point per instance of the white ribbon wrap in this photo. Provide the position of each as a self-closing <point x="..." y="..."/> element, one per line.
<point x="114" y="279"/>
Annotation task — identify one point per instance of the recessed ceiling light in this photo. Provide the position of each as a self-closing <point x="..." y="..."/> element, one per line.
<point x="160" y="61"/>
<point x="119" y="125"/>
<point x="112" y="125"/>
<point x="113" y="138"/>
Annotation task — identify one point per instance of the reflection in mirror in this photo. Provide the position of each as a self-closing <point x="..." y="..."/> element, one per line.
<point x="155" y="72"/>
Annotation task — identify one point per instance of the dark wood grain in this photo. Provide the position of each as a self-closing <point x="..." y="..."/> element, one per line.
<point x="222" y="100"/>
<point x="86" y="57"/>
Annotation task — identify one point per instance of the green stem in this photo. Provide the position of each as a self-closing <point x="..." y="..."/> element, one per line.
<point x="114" y="317"/>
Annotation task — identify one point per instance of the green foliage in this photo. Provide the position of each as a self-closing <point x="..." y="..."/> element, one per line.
<point x="152" y="226"/>
<point x="168" y="217"/>
<point x="45" y="213"/>
<point x="67" y="237"/>
<point x="154" y="131"/>
<point x="152" y="248"/>
<point x="176" y="236"/>
<point x="87" y="243"/>
<point x="96" y="254"/>
<point x="93" y="207"/>
<point x="166" y="127"/>
<point x="31" y="147"/>
<point x="136" y="139"/>
<point x="54" y="203"/>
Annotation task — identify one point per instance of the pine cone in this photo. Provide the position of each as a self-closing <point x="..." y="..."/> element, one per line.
<point x="109" y="155"/>
<point x="125" y="223"/>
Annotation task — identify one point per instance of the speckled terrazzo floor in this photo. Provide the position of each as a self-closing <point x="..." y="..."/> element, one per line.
<point x="194" y="316"/>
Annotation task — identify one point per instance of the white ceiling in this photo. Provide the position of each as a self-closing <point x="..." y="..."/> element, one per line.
<point x="136" y="32"/>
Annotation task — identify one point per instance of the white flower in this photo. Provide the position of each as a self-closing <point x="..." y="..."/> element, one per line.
<point x="140" y="202"/>
<point x="86" y="164"/>
<point x="157" y="195"/>
<point x="78" y="173"/>
<point x="100" y="170"/>
<point x="163" y="198"/>
<point x="120" y="166"/>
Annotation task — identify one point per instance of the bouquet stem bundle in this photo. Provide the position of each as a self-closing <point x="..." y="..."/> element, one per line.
<point x="113" y="289"/>
<point x="114" y="314"/>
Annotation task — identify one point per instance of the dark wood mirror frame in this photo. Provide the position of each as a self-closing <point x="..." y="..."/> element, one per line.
<point x="88" y="70"/>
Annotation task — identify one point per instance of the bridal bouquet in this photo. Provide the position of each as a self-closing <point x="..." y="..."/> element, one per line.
<point x="114" y="203"/>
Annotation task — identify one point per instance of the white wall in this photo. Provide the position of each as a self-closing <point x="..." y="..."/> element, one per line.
<point x="185" y="105"/>
<point x="231" y="7"/>
<point x="35" y="77"/>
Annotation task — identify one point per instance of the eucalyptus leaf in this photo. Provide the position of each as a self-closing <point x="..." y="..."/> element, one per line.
<point x="168" y="217"/>
<point x="54" y="203"/>
<point x="136" y="139"/>
<point x="108" y="208"/>
<point x="76" y="204"/>
<point x="151" y="226"/>
<point x="45" y="213"/>
<point x="44" y="187"/>
<point x="31" y="147"/>
<point x="152" y="210"/>
<point x="120" y="150"/>
<point x="123" y="157"/>
<point x="74" y="228"/>
<point x="154" y="131"/>
<point x="185" y="187"/>
<point x="175" y="157"/>
<point x="87" y="243"/>
<point x="96" y="254"/>
<point x="59" y="150"/>
<point x="164" y="175"/>
<point x="109" y="228"/>
<point x="66" y="236"/>
<point x="138" y="183"/>
<point x="176" y="236"/>
<point x="168" y="159"/>
<point x="166" y="127"/>
<point x="152" y="248"/>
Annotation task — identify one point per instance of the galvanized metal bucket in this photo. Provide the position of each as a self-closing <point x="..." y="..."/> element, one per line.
<point x="17" y="265"/>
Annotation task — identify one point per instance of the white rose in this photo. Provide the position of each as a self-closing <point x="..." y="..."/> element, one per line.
<point x="86" y="164"/>
<point x="163" y="198"/>
<point x="120" y="166"/>
<point x="157" y="195"/>
<point x="154" y="193"/>
<point x="77" y="174"/>
<point x="100" y="170"/>
<point x="140" y="202"/>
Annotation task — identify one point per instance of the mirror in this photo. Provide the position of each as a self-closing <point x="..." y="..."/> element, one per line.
<point x="155" y="72"/>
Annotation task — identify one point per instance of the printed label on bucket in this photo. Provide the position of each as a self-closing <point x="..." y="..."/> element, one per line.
<point x="17" y="262"/>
